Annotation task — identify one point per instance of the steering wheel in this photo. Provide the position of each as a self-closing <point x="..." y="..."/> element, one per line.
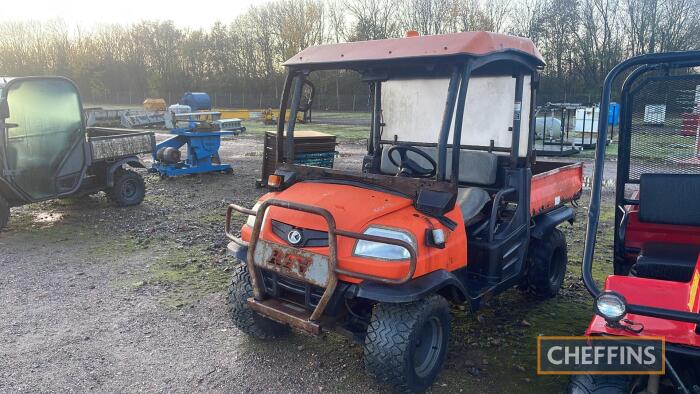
<point x="407" y="166"/>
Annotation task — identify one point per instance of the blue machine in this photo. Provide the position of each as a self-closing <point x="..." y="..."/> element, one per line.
<point x="198" y="101"/>
<point x="614" y="114"/>
<point x="203" y="142"/>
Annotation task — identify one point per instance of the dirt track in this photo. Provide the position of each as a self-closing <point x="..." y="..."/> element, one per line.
<point x="106" y="299"/>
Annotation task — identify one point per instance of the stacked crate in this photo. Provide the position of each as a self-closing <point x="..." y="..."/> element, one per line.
<point x="311" y="148"/>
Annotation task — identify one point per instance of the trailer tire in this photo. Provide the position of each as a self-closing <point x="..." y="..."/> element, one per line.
<point x="548" y="259"/>
<point x="245" y="318"/>
<point x="129" y="188"/>
<point x="599" y="384"/>
<point x="393" y="354"/>
<point x="4" y="213"/>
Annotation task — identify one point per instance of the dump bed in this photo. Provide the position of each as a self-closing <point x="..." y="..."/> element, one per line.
<point x="554" y="184"/>
<point x="111" y="143"/>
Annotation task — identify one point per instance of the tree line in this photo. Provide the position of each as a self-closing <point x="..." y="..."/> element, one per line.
<point x="580" y="40"/>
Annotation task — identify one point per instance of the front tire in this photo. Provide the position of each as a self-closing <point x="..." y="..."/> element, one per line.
<point x="4" y="213"/>
<point x="599" y="384"/>
<point x="128" y="189"/>
<point x="548" y="259"/>
<point x="406" y="344"/>
<point x="245" y="318"/>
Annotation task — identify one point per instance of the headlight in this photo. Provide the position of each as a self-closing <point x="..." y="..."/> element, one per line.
<point x="383" y="251"/>
<point x="611" y="306"/>
<point x="251" y="219"/>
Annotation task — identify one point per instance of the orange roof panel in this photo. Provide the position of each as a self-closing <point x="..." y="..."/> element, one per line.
<point x="479" y="43"/>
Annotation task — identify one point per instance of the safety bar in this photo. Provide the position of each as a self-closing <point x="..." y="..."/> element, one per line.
<point x="642" y="64"/>
<point x="494" y="210"/>
<point x="333" y="234"/>
<point x="227" y="229"/>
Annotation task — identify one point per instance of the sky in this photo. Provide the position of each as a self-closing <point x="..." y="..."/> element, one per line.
<point x="88" y="13"/>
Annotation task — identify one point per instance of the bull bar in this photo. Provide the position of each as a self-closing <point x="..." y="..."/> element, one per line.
<point x="271" y="310"/>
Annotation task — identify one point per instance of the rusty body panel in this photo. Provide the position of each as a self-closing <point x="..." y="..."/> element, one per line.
<point x="478" y="43"/>
<point x="294" y="262"/>
<point x="558" y="184"/>
<point x="285" y="313"/>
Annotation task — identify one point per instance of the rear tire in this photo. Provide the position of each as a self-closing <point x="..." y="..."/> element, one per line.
<point x="128" y="189"/>
<point x="548" y="259"/>
<point x="406" y="344"/>
<point x="599" y="384"/>
<point x="245" y="318"/>
<point x="4" y="213"/>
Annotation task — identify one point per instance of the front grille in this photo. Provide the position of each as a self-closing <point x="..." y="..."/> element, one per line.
<point x="309" y="238"/>
<point x="291" y="290"/>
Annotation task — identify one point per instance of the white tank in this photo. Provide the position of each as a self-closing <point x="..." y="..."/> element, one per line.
<point x="552" y="128"/>
<point x="175" y="109"/>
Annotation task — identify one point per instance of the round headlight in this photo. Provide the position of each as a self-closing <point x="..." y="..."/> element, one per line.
<point x="611" y="306"/>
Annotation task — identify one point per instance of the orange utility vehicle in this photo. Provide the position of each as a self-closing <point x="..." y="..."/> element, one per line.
<point x="379" y="253"/>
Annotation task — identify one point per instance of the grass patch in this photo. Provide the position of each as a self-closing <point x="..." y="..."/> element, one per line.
<point x="217" y="217"/>
<point x="116" y="246"/>
<point x="187" y="275"/>
<point x="354" y="116"/>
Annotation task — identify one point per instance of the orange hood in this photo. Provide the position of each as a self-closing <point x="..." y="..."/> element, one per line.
<point x="352" y="207"/>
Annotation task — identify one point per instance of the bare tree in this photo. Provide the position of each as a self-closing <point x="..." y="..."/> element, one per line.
<point x="679" y="25"/>
<point x="373" y="19"/>
<point x="528" y="19"/>
<point x="497" y="13"/>
<point x="428" y="16"/>
<point x="642" y="25"/>
<point x="599" y="39"/>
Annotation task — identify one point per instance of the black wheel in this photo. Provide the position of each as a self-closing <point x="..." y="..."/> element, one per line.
<point x="245" y="318"/>
<point x="599" y="384"/>
<point x="406" y="344"/>
<point x="4" y="213"/>
<point x="548" y="258"/>
<point x="129" y="188"/>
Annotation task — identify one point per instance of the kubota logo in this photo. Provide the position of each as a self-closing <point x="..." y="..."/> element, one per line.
<point x="294" y="237"/>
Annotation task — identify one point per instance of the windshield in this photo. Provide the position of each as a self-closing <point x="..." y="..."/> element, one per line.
<point x="396" y="109"/>
<point x="45" y="122"/>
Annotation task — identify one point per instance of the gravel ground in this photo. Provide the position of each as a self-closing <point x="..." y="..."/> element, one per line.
<point x="125" y="300"/>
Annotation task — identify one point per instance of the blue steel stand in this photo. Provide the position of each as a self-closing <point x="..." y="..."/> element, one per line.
<point x="201" y="148"/>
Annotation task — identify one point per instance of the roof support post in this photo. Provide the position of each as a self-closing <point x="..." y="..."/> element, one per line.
<point x="447" y="123"/>
<point x="376" y="117"/>
<point x="282" y="112"/>
<point x="535" y="85"/>
<point x="459" y="118"/>
<point x="517" y="116"/>
<point x="291" y="122"/>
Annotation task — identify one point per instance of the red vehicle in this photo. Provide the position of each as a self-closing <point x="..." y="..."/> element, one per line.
<point x="447" y="206"/>
<point x="654" y="289"/>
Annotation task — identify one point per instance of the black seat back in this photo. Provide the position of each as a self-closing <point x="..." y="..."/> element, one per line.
<point x="670" y="199"/>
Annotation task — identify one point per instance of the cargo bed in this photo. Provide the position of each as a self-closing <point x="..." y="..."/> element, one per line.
<point x="108" y="144"/>
<point x="554" y="184"/>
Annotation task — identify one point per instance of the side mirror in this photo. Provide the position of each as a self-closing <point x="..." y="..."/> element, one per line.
<point x="4" y="109"/>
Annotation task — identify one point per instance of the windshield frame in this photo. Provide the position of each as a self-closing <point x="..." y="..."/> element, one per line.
<point x="460" y="69"/>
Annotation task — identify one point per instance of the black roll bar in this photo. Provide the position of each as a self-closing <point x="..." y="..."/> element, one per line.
<point x="292" y="121"/>
<point x="459" y="121"/>
<point x="279" y="158"/>
<point x="447" y="123"/>
<point x="676" y="59"/>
